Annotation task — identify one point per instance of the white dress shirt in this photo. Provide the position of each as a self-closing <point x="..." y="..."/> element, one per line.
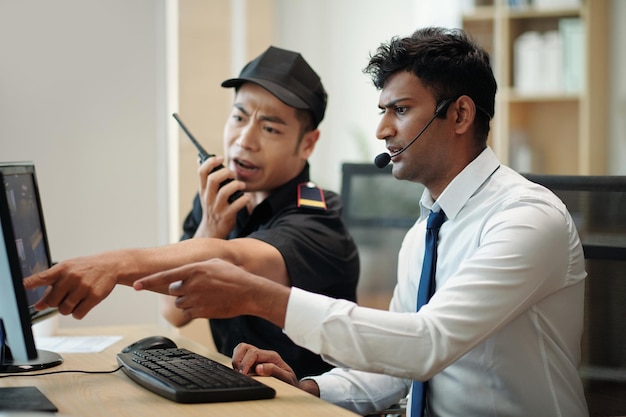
<point x="502" y="334"/>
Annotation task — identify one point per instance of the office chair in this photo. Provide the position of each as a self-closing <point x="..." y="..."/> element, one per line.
<point x="598" y="207"/>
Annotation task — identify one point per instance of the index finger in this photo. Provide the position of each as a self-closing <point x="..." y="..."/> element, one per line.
<point x="246" y="357"/>
<point x="40" y="279"/>
<point x="239" y="354"/>
<point x="208" y="167"/>
<point x="159" y="281"/>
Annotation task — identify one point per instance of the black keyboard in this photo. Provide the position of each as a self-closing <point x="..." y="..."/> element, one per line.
<point x="187" y="377"/>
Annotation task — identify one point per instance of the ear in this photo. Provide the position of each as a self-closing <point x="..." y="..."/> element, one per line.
<point x="307" y="145"/>
<point x="464" y="114"/>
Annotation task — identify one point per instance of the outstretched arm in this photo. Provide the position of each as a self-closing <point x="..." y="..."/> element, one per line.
<point x="218" y="289"/>
<point x="77" y="285"/>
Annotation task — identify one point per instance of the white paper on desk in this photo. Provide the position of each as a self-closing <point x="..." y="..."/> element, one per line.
<point x="76" y="344"/>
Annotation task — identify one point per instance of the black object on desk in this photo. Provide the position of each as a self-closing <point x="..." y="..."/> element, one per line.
<point x="24" y="399"/>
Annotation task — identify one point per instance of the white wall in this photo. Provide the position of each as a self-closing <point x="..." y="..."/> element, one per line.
<point x="336" y="37"/>
<point x="82" y="95"/>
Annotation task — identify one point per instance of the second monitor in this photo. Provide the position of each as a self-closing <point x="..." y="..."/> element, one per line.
<point x="24" y="251"/>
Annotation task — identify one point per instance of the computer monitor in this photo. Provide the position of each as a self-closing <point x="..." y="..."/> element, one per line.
<point x="24" y="250"/>
<point x="378" y="210"/>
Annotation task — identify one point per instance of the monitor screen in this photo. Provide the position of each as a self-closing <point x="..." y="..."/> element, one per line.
<point x="23" y="251"/>
<point x="25" y="211"/>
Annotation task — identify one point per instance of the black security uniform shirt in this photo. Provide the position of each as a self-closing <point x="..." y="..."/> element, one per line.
<point x="319" y="254"/>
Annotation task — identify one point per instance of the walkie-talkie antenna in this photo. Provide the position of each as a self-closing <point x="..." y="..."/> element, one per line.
<point x="204" y="155"/>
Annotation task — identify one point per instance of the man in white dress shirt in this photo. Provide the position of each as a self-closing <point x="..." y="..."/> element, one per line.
<point x="501" y="334"/>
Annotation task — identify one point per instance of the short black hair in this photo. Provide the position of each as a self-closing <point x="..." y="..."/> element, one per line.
<point x="447" y="61"/>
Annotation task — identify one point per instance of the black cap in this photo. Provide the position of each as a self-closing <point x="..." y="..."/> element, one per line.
<point x="287" y="76"/>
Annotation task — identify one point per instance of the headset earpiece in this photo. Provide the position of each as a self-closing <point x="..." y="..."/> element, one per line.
<point x="443" y="107"/>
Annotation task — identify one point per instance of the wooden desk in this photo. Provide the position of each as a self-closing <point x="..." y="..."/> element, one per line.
<point x="107" y="395"/>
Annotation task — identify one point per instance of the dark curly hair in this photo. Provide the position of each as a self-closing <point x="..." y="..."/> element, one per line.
<point x="447" y="61"/>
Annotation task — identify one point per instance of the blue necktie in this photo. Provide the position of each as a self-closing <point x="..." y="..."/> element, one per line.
<point x="425" y="291"/>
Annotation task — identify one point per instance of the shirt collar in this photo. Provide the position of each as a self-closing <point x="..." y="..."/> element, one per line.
<point x="462" y="187"/>
<point x="285" y="194"/>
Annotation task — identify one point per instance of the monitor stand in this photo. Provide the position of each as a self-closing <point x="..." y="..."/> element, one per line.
<point x="45" y="359"/>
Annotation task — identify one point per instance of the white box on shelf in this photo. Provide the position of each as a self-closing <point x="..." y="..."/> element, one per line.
<point x="573" y="35"/>
<point x="556" y="4"/>
<point x="527" y="70"/>
<point x="552" y="63"/>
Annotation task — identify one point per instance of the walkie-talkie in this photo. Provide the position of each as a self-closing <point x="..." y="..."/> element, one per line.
<point x="204" y="155"/>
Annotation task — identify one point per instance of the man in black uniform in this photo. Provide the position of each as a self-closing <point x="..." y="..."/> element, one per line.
<point x="282" y="227"/>
<point x="279" y="102"/>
